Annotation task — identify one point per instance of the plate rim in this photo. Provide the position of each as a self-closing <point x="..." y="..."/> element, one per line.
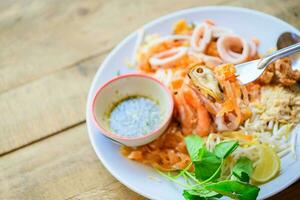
<point x="145" y="26"/>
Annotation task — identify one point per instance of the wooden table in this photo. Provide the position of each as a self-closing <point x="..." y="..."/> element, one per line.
<point x="50" y="51"/>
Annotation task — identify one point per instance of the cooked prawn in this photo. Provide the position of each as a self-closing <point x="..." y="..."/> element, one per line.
<point x="203" y="126"/>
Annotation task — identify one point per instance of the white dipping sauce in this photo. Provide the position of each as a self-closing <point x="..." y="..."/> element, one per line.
<point x="135" y="116"/>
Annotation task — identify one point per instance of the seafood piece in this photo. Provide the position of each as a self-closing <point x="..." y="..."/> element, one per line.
<point x="167" y="58"/>
<point x="228" y="124"/>
<point x="201" y="36"/>
<point x="193" y="115"/>
<point x="168" y="40"/>
<point x="205" y="80"/>
<point x="186" y="114"/>
<point x="218" y="31"/>
<point x="233" y="48"/>
<point x="210" y="61"/>
<point x="253" y="49"/>
<point x="280" y="72"/>
<point x="155" y="44"/>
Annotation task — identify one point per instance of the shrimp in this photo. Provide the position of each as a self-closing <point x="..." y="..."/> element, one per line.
<point x="203" y="126"/>
<point x="186" y="114"/>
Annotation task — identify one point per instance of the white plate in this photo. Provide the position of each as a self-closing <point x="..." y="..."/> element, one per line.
<point x="143" y="179"/>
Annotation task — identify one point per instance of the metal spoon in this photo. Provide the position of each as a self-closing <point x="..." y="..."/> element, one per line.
<point x="286" y="39"/>
<point x="250" y="71"/>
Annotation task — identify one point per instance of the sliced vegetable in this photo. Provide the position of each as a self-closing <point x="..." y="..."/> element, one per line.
<point x="267" y="166"/>
<point x="239" y="135"/>
<point x="243" y="169"/>
<point x="234" y="189"/>
<point x="224" y="149"/>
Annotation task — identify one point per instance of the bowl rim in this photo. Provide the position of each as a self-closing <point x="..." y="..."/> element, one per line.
<point x="113" y="135"/>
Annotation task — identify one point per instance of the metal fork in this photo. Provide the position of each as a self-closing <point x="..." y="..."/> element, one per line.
<point x="250" y="71"/>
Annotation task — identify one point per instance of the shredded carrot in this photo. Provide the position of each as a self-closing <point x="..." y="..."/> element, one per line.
<point x="227" y="106"/>
<point x="254" y="91"/>
<point x="212" y="49"/>
<point x="182" y="27"/>
<point x="176" y="84"/>
<point x="225" y="72"/>
<point x="194" y="112"/>
<point x="249" y="137"/>
<point x="167" y="153"/>
<point x="135" y="155"/>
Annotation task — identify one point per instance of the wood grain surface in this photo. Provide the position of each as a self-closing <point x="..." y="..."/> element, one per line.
<point x="50" y="51"/>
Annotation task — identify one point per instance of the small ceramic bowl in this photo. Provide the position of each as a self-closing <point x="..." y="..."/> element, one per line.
<point x="125" y="86"/>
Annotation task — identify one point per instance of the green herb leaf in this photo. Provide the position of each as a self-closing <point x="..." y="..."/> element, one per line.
<point x="234" y="189"/>
<point x="193" y="143"/>
<point x="200" y="194"/>
<point x="243" y="169"/>
<point x="208" y="166"/>
<point x="188" y="195"/>
<point x="224" y="149"/>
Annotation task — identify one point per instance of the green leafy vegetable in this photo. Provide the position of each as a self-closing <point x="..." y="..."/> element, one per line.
<point x="234" y="189"/>
<point x="204" y="183"/>
<point x="193" y="143"/>
<point x="200" y="194"/>
<point x="207" y="166"/>
<point x="243" y="169"/>
<point x="224" y="149"/>
<point x="191" y="195"/>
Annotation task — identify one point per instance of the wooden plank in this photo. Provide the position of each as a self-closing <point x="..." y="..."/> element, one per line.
<point x="287" y="10"/>
<point x="45" y="106"/>
<point x="39" y="37"/>
<point x="65" y="167"/>
<point x="108" y="193"/>
<point x="54" y="102"/>
<point x="61" y="167"/>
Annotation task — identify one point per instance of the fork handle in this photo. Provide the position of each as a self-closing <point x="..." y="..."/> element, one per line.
<point x="264" y="62"/>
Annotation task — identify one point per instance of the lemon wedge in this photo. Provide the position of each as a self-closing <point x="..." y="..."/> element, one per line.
<point x="268" y="165"/>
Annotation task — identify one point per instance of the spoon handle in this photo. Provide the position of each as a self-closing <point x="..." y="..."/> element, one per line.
<point x="278" y="54"/>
